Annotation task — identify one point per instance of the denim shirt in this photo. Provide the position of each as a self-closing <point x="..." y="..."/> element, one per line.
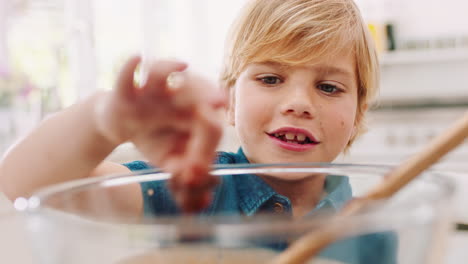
<point x="249" y="194"/>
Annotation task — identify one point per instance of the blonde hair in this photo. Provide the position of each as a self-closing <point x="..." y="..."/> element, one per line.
<point x="295" y="32"/>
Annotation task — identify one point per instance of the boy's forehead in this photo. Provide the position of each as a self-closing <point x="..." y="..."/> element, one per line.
<point x="324" y="66"/>
<point x="294" y="56"/>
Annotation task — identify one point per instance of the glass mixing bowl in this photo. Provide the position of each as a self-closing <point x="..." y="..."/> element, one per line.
<point x="82" y="222"/>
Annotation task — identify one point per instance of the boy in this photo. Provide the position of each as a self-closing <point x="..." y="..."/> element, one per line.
<point x="298" y="74"/>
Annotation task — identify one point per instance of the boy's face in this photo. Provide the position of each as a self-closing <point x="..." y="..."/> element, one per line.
<point x="301" y="113"/>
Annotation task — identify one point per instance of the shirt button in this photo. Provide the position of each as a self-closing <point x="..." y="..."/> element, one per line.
<point x="150" y="192"/>
<point x="278" y="208"/>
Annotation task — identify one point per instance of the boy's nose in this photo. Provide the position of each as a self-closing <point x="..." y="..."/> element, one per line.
<point x="298" y="105"/>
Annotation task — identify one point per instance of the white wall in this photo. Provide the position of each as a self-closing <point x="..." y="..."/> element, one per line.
<point x="420" y="18"/>
<point x="193" y="31"/>
<point x="4" y="7"/>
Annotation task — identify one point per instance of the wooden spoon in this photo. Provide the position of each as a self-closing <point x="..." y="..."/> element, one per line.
<point x="312" y="243"/>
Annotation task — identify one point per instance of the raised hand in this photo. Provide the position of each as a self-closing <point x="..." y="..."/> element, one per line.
<point x="172" y="120"/>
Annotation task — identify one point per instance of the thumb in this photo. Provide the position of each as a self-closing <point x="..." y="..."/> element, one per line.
<point x="125" y="81"/>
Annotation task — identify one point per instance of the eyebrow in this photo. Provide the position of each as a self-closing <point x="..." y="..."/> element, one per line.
<point x="272" y="64"/>
<point x="334" y="70"/>
<point x="324" y="69"/>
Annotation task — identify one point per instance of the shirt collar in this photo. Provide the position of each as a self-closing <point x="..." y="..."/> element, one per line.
<point x="338" y="193"/>
<point x="253" y="192"/>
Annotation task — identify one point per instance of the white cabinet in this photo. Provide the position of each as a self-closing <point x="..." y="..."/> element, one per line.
<point x="425" y="76"/>
<point x="396" y="134"/>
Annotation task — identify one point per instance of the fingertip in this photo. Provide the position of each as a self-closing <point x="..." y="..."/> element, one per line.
<point x="159" y="73"/>
<point x="205" y="200"/>
<point x="191" y="203"/>
<point x="193" y="176"/>
<point x="182" y="66"/>
<point x="218" y="100"/>
<point x="178" y="64"/>
<point x="135" y="59"/>
<point x="132" y="64"/>
<point x="169" y="66"/>
<point x="125" y="81"/>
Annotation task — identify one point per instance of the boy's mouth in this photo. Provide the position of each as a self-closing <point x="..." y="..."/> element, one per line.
<point x="294" y="136"/>
<point x="300" y="139"/>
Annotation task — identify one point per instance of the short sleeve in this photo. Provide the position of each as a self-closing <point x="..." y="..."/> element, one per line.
<point x="380" y="248"/>
<point x="157" y="199"/>
<point x="137" y="165"/>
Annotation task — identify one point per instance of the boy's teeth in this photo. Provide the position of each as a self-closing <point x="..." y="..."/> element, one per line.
<point x="301" y="137"/>
<point x="290" y="136"/>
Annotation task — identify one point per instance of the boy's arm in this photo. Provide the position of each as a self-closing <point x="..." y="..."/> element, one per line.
<point x="65" y="146"/>
<point x="169" y="124"/>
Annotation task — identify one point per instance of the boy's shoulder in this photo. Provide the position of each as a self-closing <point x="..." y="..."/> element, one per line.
<point x="138" y="165"/>
<point x="222" y="157"/>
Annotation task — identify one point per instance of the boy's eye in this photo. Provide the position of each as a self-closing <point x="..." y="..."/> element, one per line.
<point x="270" y="80"/>
<point x="329" y="88"/>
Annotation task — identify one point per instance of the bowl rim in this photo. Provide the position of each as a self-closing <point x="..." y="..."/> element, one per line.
<point x="154" y="174"/>
<point x="415" y="211"/>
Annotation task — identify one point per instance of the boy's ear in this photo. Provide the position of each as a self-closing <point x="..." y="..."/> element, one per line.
<point x="354" y="131"/>
<point x="230" y="109"/>
<point x="360" y="114"/>
<point x="359" y="119"/>
<point x="230" y="112"/>
<point x="365" y="107"/>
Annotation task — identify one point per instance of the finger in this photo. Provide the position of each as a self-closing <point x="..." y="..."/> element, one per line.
<point x="192" y="184"/>
<point x="167" y="151"/>
<point x="206" y="135"/>
<point x="125" y="82"/>
<point x="218" y="99"/>
<point x="208" y="131"/>
<point x="192" y="89"/>
<point x="192" y="202"/>
<point x="177" y="184"/>
<point x="192" y="198"/>
<point x="156" y="84"/>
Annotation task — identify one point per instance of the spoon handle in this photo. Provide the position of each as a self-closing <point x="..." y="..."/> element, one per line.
<point x="312" y="243"/>
<point x="429" y="155"/>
